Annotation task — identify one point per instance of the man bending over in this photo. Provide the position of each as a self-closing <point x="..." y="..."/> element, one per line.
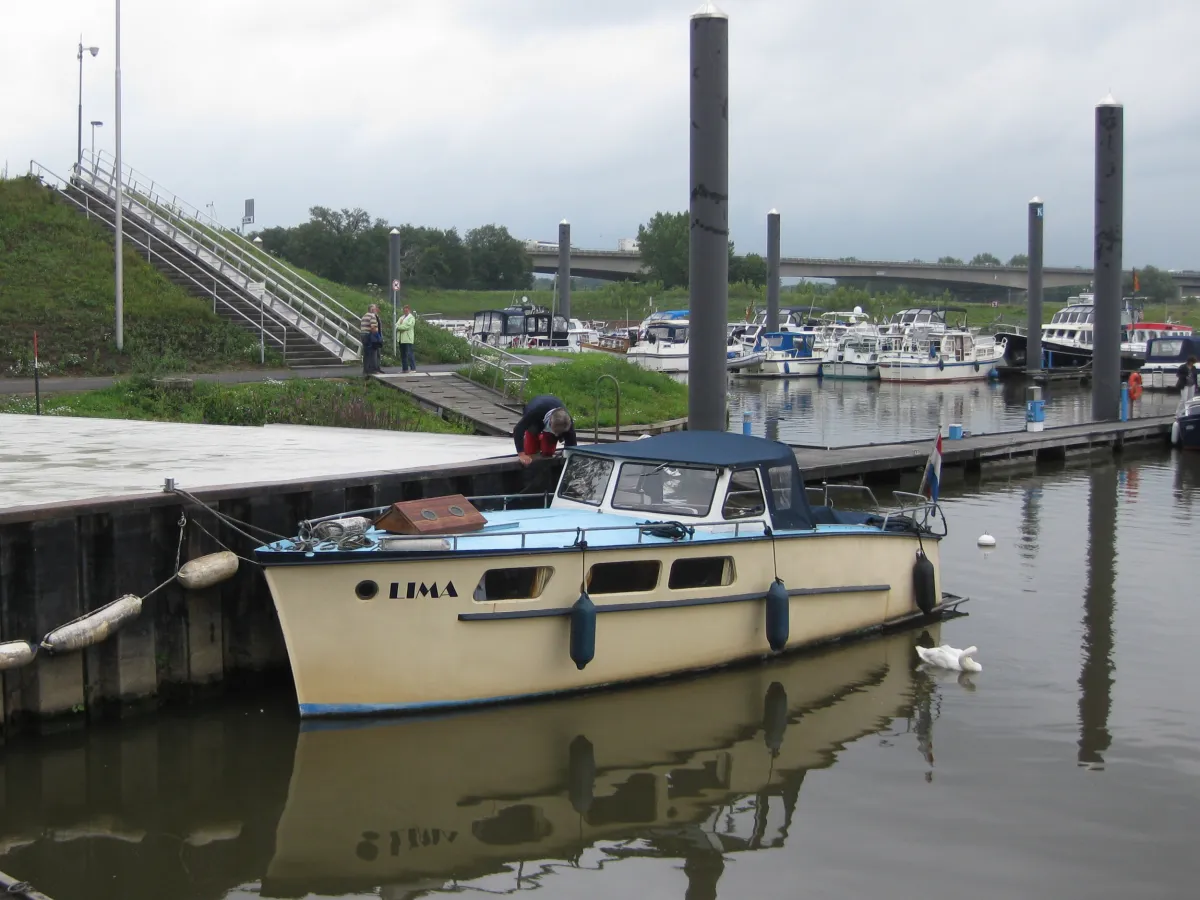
<point x="543" y="424"/>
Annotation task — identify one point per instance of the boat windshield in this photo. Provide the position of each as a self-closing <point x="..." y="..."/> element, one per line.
<point x="663" y="488"/>
<point x="585" y="479"/>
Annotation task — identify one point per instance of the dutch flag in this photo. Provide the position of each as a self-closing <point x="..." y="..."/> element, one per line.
<point x="932" y="478"/>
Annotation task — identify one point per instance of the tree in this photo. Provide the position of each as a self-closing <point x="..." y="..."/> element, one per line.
<point x="751" y="269"/>
<point x="985" y="259"/>
<point x="1019" y="259"/>
<point x="1154" y="284"/>
<point x="664" y="243"/>
<point x="498" y="260"/>
<point x="949" y="261"/>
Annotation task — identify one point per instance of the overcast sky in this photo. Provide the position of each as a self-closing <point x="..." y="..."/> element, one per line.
<point x="879" y="129"/>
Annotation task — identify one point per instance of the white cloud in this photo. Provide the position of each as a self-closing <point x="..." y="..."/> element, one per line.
<point x="879" y="129"/>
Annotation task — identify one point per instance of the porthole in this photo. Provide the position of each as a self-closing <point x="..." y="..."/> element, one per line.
<point x="366" y="590"/>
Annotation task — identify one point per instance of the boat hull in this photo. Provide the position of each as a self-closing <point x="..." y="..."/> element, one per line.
<point x="785" y="368"/>
<point x="659" y="362"/>
<point x="932" y="372"/>
<point x="422" y="642"/>
<point x="851" y="371"/>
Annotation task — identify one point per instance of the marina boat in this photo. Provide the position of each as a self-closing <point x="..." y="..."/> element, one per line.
<point x="1185" y="430"/>
<point x="1164" y="356"/>
<point x="673" y="553"/>
<point x="854" y="357"/>
<point x="1067" y="340"/>
<point x="926" y="349"/>
<point x="520" y="326"/>
<point x="784" y="354"/>
<point x="791" y="318"/>
<point x="662" y="344"/>
<point x="617" y="343"/>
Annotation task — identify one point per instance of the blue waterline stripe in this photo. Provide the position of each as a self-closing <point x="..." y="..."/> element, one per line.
<point x="669" y="604"/>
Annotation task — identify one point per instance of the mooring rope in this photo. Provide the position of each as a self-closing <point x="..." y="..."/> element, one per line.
<point x="236" y="524"/>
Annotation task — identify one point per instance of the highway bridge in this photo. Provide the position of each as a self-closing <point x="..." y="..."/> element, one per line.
<point x="617" y="265"/>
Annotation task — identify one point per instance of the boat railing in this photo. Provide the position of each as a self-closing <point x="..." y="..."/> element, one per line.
<point x="829" y="492"/>
<point x="917" y="507"/>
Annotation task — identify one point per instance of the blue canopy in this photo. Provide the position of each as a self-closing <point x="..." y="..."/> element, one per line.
<point x="1172" y="349"/>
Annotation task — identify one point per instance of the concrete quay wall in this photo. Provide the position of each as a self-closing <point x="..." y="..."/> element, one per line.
<point x="59" y="561"/>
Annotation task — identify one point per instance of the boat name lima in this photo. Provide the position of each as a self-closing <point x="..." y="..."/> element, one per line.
<point x="420" y="589"/>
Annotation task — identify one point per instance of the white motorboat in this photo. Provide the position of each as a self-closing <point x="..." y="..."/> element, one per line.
<point x="662" y="346"/>
<point x="919" y="346"/>
<point x="784" y="354"/>
<point x="673" y="553"/>
<point x="854" y="357"/>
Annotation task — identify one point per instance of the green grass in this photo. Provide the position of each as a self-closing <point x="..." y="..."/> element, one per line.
<point x="646" y="397"/>
<point x="337" y="403"/>
<point x="56" y="278"/>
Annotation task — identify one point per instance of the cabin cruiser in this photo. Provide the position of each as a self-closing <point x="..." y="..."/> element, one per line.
<point x="662" y="344"/>
<point x="1164" y="356"/>
<point x="520" y="326"/>
<point x="1185" y="430"/>
<point x="673" y="553"/>
<point x="854" y="357"/>
<point x="800" y="319"/>
<point x="921" y="347"/>
<point x="1068" y="340"/>
<point x="783" y="354"/>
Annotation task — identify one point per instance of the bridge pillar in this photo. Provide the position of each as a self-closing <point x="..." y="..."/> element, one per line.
<point x="1033" y="343"/>
<point x="772" y="271"/>
<point x="564" y="269"/>
<point x="708" y="245"/>
<point x="1106" y="352"/>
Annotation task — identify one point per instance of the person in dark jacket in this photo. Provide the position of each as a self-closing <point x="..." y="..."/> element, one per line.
<point x="1186" y="379"/>
<point x="544" y="422"/>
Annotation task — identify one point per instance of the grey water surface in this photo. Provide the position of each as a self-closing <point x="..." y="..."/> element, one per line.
<point x="1069" y="767"/>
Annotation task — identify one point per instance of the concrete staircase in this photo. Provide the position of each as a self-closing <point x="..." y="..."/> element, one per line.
<point x="245" y="285"/>
<point x="229" y="301"/>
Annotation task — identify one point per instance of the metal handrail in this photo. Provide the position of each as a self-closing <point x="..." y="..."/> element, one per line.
<point x="287" y="275"/>
<point x="36" y="168"/>
<point x="505" y="364"/>
<point x="337" y="326"/>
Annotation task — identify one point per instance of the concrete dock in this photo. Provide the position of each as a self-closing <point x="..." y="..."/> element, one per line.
<point x="84" y="519"/>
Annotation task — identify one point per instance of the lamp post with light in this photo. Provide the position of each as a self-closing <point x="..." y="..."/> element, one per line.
<point x="79" y="139"/>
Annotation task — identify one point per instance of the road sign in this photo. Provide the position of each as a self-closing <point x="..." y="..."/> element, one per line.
<point x="396" y="284"/>
<point x="248" y="218"/>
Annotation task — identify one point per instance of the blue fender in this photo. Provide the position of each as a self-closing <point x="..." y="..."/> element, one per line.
<point x="583" y="631"/>
<point x="778" y="615"/>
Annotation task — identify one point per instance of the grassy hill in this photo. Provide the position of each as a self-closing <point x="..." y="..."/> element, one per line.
<point x="56" y="278"/>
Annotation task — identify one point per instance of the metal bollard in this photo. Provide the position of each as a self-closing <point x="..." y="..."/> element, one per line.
<point x="1035" y="409"/>
<point x="746" y="422"/>
<point x="1124" y="401"/>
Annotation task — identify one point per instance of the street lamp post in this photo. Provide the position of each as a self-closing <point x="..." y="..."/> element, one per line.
<point x="96" y="123"/>
<point x="79" y="138"/>
<point x="120" y="275"/>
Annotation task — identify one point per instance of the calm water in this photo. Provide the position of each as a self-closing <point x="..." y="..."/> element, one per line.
<point x="1068" y="768"/>
<point x="838" y="413"/>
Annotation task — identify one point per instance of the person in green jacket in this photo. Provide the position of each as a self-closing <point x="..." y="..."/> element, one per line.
<point x="406" y="326"/>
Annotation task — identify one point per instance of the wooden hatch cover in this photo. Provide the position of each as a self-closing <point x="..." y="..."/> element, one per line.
<point x="450" y="514"/>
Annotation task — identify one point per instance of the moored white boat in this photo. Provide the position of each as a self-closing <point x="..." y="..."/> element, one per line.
<point x="783" y="354"/>
<point x="920" y="346"/>
<point x="854" y="357"/>
<point x="692" y="550"/>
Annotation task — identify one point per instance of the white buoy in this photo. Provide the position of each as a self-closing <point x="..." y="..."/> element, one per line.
<point x="986" y="540"/>
<point x="14" y="654"/>
<point x="208" y="570"/>
<point x="93" y="628"/>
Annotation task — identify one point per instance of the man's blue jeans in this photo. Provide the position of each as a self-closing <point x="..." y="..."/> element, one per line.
<point x="408" y="359"/>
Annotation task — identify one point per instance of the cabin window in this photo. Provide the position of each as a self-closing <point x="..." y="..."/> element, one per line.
<point x="744" y="497"/>
<point x="661" y="488"/>
<point x="626" y="577"/>
<point x="701" y="572"/>
<point x="585" y="479"/>
<point x="518" y="583"/>
<point x="781" y="486"/>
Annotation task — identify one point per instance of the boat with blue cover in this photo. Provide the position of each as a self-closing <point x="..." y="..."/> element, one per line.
<point x="674" y="553"/>
<point x="784" y="354"/>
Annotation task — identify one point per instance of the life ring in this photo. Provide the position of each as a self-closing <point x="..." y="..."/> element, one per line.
<point x="1135" y="386"/>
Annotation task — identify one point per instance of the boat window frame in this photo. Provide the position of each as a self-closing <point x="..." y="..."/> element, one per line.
<point x="728" y="572"/>
<point x="663" y="508"/>
<point x="540" y="582"/>
<point x="626" y="567"/>
<point x="729" y="491"/>
<point x="602" y="460"/>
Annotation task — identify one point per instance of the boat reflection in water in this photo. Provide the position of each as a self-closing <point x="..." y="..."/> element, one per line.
<point x="692" y="770"/>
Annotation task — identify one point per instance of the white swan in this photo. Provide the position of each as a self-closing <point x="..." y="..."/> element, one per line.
<point x="946" y="657"/>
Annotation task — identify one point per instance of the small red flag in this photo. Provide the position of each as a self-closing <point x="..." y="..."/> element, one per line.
<point x="1136" y="285"/>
